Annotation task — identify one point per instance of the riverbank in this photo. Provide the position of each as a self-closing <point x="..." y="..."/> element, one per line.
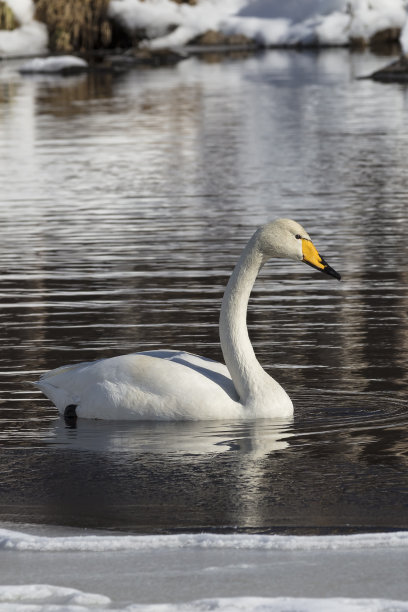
<point x="81" y="27"/>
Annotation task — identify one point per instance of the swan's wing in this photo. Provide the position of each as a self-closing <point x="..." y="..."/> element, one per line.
<point x="189" y="360"/>
<point x="155" y="384"/>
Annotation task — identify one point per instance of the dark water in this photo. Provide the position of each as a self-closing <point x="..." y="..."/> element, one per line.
<point x="124" y="204"/>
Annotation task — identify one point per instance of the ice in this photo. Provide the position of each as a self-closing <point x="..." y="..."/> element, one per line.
<point x="72" y="570"/>
<point x="280" y="604"/>
<point x="19" y="597"/>
<point x="15" y="540"/>
<point x="54" y="64"/>
<point x="46" y="598"/>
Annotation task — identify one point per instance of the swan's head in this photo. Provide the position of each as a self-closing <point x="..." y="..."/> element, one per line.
<point x="288" y="239"/>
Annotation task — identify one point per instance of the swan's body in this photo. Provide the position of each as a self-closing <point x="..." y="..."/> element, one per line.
<point x="172" y="385"/>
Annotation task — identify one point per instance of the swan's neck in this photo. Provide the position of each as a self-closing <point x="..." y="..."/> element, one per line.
<point x="246" y="372"/>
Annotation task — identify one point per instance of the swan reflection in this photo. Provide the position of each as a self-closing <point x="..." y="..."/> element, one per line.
<point x="256" y="438"/>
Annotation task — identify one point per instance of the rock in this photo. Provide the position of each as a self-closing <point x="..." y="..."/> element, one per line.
<point x="397" y="71"/>
<point x="143" y="57"/>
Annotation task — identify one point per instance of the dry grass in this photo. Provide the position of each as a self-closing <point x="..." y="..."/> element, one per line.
<point x="75" y="25"/>
<point x="83" y="25"/>
<point x="7" y="19"/>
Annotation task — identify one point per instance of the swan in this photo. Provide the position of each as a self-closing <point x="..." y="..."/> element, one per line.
<point x="175" y="385"/>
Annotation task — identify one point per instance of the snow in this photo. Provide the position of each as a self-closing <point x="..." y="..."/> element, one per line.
<point x="54" y="64"/>
<point x="22" y="9"/>
<point x="371" y="16"/>
<point x="158" y="15"/>
<point x="270" y="22"/>
<point x="404" y="37"/>
<point x="30" y="38"/>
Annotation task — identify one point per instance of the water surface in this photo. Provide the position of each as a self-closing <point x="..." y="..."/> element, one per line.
<point x="124" y="204"/>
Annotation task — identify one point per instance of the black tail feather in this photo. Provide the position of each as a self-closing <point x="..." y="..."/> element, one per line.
<point x="70" y="412"/>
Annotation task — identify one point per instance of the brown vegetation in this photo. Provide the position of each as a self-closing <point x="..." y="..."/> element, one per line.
<point x="75" y="25"/>
<point x="84" y="25"/>
<point x="214" y="38"/>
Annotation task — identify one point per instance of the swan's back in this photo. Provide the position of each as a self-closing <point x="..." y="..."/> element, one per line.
<point x="159" y="385"/>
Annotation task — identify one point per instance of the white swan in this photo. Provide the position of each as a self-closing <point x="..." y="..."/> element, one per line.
<point x="173" y="385"/>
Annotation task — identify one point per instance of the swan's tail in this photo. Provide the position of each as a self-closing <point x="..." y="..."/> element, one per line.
<point x="52" y="385"/>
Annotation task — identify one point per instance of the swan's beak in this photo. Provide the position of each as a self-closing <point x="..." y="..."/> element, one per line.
<point x="312" y="258"/>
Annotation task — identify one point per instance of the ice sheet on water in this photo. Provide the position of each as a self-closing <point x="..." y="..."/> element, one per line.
<point x="39" y="596"/>
<point x="54" y="64"/>
<point x="203" y="563"/>
<point x="278" y="604"/>
<point x="44" y="598"/>
<point x="18" y="541"/>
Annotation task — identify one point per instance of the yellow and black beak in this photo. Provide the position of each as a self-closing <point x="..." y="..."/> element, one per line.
<point x="312" y="258"/>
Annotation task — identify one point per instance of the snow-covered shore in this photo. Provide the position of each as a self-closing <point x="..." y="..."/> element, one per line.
<point x="268" y="22"/>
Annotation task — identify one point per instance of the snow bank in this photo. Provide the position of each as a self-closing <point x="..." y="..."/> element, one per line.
<point x="30" y="38"/>
<point x="18" y="541"/>
<point x="157" y="16"/>
<point x="404" y="37"/>
<point x="62" y="63"/>
<point x="270" y="22"/>
<point x="371" y="16"/>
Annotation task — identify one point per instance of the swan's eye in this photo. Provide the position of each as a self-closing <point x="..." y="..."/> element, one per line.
<point x="298" y="236"/>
